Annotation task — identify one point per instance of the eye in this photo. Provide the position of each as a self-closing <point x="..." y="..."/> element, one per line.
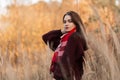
<point x="64" y="21"/>
<point x="70" y="21"/>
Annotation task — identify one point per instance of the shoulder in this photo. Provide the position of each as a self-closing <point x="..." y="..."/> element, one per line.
<point x="79" y="39"/>
<point x="75" y="35"/>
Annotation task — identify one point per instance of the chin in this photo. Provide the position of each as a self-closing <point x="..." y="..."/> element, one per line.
<point x="67" y="31"/>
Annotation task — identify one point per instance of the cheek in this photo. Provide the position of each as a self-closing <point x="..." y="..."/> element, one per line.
<point x="72" y="26"/>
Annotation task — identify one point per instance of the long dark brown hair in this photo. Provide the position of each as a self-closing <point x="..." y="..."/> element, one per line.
<point x="80" y="29"/>
<point x="76" y="20"/>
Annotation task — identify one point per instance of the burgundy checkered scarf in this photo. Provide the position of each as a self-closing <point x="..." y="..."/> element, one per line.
<point x="60" y="49"/>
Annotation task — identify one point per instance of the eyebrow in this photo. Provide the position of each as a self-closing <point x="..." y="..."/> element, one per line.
<point x="68" y="19"/>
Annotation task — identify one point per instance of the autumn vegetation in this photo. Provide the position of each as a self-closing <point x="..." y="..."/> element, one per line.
<point x="24" y="56"/>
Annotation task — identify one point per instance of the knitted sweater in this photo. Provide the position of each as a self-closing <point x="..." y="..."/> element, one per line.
<point x="71" y="63"/>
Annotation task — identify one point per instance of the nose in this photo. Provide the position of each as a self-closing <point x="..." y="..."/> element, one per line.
<point x="66" y="24"/>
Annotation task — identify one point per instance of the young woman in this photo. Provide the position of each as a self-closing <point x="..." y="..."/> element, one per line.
<point x="68" y="45"/>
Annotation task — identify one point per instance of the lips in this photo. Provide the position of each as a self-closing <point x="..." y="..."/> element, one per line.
<point x="66" y="27"/>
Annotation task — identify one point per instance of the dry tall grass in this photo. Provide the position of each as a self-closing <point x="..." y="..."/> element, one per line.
<point x="102" y="58"/>
<point x="101" y="61"/>
<point x="24" y="56"/>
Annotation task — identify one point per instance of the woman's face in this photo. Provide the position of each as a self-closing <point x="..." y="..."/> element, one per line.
<point x="68" y="23"/>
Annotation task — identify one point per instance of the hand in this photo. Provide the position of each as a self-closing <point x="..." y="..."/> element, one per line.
<point x="63" y="31"/>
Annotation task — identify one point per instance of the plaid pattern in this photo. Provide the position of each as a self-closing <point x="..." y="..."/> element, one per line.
<point x="60" y="49"/>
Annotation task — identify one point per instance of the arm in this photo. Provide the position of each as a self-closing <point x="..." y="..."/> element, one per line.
<point x="53" y="38"/>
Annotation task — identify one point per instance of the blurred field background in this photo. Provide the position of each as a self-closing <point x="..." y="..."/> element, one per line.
<point x="24" y="56"/>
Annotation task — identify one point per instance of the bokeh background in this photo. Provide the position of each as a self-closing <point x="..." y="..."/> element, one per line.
<point x="23" y="54"/>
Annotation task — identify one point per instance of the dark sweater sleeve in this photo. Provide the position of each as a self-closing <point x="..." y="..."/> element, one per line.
<point x="53" y="38"/>
<point x="74" y="50"/>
